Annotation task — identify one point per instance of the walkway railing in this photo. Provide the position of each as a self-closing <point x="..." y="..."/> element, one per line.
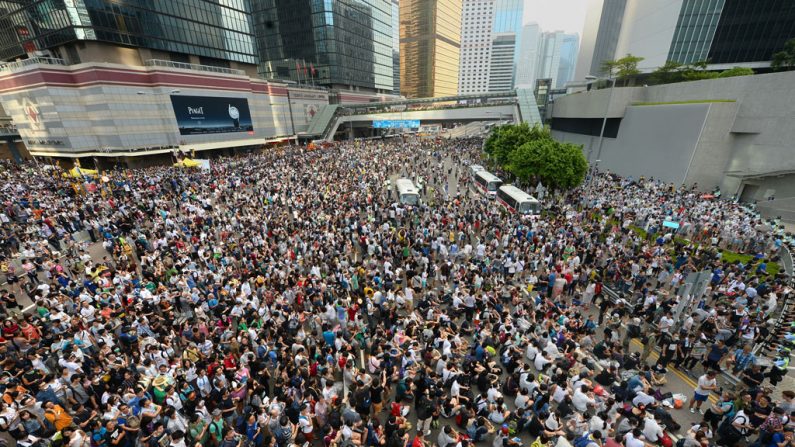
<point x="197" y="67"/>
<point x="21" y="64"/>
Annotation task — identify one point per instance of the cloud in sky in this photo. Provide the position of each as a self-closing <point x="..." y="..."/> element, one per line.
<point x="556" y="15"/>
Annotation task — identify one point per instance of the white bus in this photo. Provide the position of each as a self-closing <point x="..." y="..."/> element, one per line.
<point x="517" y="201"/>
<point x="474" y="169"/>
<point x="487" y="183"/>
<point x="407" y="192"/>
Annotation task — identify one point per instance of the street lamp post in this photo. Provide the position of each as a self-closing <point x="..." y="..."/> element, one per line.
<point x="604" y="119"/>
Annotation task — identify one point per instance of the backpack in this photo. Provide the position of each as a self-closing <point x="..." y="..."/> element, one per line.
<point x="583" y="441"/>
<point x="283" y="435"/>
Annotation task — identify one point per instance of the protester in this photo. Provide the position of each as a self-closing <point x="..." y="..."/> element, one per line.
<point x="289" y="298"/>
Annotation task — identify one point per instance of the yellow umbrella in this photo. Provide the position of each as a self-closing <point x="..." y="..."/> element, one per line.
<point x="78" y="172"/>
<point x="187" y="163"/>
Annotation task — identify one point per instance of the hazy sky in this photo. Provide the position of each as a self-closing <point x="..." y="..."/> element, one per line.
<point x="556" y="15"/>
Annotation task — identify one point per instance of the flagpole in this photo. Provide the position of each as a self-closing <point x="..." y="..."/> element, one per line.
<point x="298" y="70"/>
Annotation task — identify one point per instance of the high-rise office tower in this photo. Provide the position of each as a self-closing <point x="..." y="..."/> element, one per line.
<point x="569" y="47"/>
<point x="725" y="33"/>
<point x="527" y="62"/>
<point x="430" y="45"/>
<point x="477" y="20"/>
<point x="557" y="53"/>
<point x="490" y="32"/>
<point x="344" y="43"/>
<point x="130" y="32"/>
<point x="396" y="47"/>
<point x="502" y="70"/>
<point x="602" y="28"/>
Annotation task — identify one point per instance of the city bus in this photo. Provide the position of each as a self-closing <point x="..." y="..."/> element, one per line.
<point x="487" y="183"/>
<point x="517" y="201"/>
<point x="407" y="192"/>
<point x="474" y="169"/>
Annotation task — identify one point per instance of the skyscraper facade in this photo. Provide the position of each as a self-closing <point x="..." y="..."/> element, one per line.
<point x="750" y="32"/>
<point x="396" y="47"/>
<point x="488" y="27"/>
<point x="503" y="52"/>
<point x="527" y="61"/>
<point x="569" y="48"/>
<point x="695" y="29"/>
<point x="207" y="32"/>
<point x="476" y="34"/>
<point x="430" y="45"/>
<point x="557" y="55"/>
<point x="725" y="33"/>
<point x="344" y="43"/>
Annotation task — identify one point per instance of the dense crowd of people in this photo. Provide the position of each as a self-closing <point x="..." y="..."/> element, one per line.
<point x="289" y="298"/>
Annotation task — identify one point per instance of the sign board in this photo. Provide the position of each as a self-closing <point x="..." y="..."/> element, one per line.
<point x="204" y="164"/>
<point x="203" y="114"/>
<point x="671" y="224"/>
<point x="396" y="124"/>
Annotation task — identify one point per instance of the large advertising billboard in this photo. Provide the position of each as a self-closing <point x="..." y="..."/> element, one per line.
<point x="204" y="114"/>
<point x="396" y="124"/>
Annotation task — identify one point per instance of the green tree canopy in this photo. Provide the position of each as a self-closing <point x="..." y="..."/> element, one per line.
<point x="785" y="59"/>
<point x="556" y="164"/>
<point x="736" y="71"/>
<point x="505" y="139"/>
<point x="667" y="73"/>
<point x="627" y="66"/>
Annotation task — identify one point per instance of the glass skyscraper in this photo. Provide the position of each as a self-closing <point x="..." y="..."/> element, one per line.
<point x="344" y="43"/>
<point x="508" y="16"/>
<point x="695" y="29"/>
<point x="396" y="47"/>
<point x="216" y="30"/>
<point x="752" y="31"/>
<point x="430" y="33"/>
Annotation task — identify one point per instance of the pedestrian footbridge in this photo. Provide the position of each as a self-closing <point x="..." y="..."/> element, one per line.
<point x="341" y="121"/>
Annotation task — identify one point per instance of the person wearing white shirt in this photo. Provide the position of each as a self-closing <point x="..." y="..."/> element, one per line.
<point x="582" y="400"/>
<point x="652" y="430"/>
<point x="642" y="398"/>
<point x="558" y="393"/>
<point x="531" y="352"/>
<point x="540" y="362"/>
<point x="633" y="439"/>
<point x="522" y="399"/>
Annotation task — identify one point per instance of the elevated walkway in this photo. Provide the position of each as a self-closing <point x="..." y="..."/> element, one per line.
<point x="514" y="106"/>
<point x="322" y="119"/>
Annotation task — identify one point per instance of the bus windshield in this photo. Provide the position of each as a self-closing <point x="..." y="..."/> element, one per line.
<point x="409" y="199"/>
<point x="528" y="207"/>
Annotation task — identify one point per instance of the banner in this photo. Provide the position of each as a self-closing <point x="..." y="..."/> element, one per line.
<point x="203" y="114"/>
<point x="396" y="124"/>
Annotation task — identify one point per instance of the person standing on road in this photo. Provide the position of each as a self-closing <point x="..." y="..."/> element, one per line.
<point x="706" y="383"/>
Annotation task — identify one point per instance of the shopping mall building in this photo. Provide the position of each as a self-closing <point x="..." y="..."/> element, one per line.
<point x="122" y="81"/>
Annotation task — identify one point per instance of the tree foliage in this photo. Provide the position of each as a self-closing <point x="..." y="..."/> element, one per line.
<point x="627" y="66"/>
<point x="538" y="157"/>
<point x="785" y="59"/>
<point x="736" y="71"/>
<point x="505" y="139"/>
<point x="673" y="71"/>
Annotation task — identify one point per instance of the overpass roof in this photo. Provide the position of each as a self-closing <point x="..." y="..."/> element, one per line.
<point x="511" y="94"/>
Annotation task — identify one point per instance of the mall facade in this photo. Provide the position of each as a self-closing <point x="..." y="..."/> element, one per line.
<point x="121" y="79"/>
<point x="113" y="110"/>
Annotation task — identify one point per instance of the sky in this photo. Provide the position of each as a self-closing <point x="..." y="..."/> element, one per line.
<point x="556" y="15"/>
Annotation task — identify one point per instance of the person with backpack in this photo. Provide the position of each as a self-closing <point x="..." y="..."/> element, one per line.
<point x="588" y="439"/>
<point x="734" y="429"/>
<point x="502" y="438"/>
<point x="723" y="407"/>
<point x="216" y="428"/>
<point x="285" y="432"/>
